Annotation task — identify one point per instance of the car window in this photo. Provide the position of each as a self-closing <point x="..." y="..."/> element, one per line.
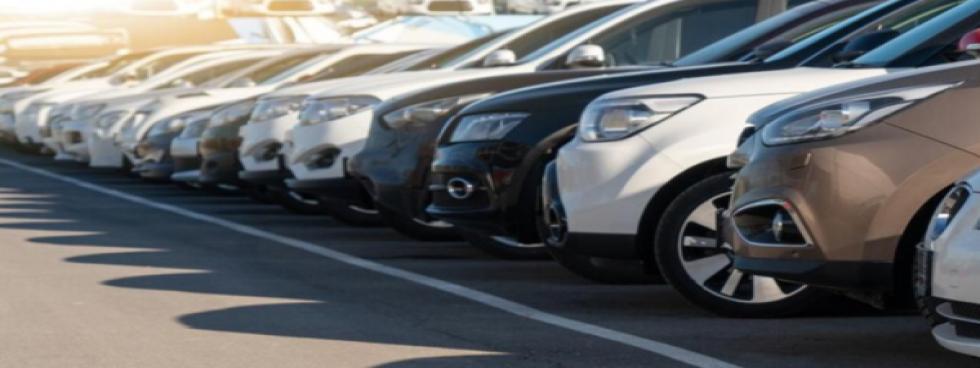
<point x="444" y="58"/>
<point x="275" y="68"/>
<point x="667" y="37"/>
<point x="935" y="28"/>
<point x="152" y="68"/>
<point x="546" y="32"/>
<point x="354" y="65"/>
<point x="204" y="75"/>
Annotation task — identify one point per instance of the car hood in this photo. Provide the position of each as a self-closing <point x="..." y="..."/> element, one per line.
<point x="786" y="81"/>
<point x="940" y="74"/>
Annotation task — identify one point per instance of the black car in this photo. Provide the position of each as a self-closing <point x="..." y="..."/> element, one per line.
<point x="394" y="165"/>
<point x="504" y="208"/>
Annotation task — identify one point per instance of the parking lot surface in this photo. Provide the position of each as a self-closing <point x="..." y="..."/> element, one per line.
<point x="99" y="269"/>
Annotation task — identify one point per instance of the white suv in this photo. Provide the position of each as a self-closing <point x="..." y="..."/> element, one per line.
<point x="646" y="174"/>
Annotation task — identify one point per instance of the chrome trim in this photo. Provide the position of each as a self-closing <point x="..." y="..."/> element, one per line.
<point x="789" y="209"/>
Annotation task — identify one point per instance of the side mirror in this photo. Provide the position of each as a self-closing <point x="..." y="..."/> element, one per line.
<point x="770" y="48"/>
<point x="502" y="57"/>
<point x="970" y="44"/>
<point x="586" y="56"/>
<point x="860" y="45"/>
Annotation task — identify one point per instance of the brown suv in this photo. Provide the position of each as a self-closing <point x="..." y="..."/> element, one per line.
<point x="837" y="186"/>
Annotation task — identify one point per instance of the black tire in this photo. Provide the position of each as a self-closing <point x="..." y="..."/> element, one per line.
<point x="295" y="203"/>
<point x="502" y="249"/>
<point x="415" y="229"/>
<point x="782" y="299"/>
<point x="352" y="214"/>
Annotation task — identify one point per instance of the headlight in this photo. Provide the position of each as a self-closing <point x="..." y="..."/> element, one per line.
<point x="273" y="108"/>
<point x="834" y="119"/>
<point x="612" y="119"/>
<point x="228" y="114"/>
<point x="486" y="127"/>
<point x="948" y="208"/>
<point x="425" y="113"/>
<point x="318" y="111"/>
<point x="108" y="120"/>
<point x="88" y="111"/>
<point x="177" y="123"/>
<point x="195" y="128"/>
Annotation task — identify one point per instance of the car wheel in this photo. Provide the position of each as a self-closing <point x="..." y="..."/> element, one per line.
<point x="298" y="204"/>
<point x="352" y="214"/>
<point x="505" y="248"/>
<point x="418" y="229"/>
<point x="691" y="259"/>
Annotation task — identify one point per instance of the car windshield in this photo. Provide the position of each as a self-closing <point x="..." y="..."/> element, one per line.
<point x="203" y="76"/>
<point x="923" y="35"/>
<point x="799" y="32"/>
<point x="114" y="66"/>
<point x="557" y="37"/>
<point x="447" y="57"/>
<point x="541" y="33"/>
<point x="275" y="70"/>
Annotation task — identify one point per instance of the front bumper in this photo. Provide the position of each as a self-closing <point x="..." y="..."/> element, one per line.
<point x="262" y="142"/>
<point x="321" y="151"/>
<point x="853" y="198"/>
<point x="157" y="162"/>
<point x="103" y="151"/>
<point x="344" y="190"/>
<point x="219" y="156"/>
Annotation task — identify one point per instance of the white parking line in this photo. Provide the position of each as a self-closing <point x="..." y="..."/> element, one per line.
<point x="653" y="346"/>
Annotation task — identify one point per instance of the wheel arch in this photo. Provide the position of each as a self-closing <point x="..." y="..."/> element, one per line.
<point x="662" y="199"/>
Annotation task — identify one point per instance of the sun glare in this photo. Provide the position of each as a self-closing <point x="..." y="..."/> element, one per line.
<point x="46" y="7"/>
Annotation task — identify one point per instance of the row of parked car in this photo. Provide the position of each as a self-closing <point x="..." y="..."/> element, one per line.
<point x="756" y="155"/>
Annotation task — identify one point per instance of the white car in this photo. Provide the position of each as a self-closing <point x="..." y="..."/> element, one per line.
<point x="167" y="85"/>
<point x="10" y="96"/>
<point x="645" y="175"/>
<point x="33" y="108"/>
<point x="951" y="240"/>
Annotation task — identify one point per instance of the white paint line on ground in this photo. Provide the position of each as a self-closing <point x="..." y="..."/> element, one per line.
<point x="670" y="351"/>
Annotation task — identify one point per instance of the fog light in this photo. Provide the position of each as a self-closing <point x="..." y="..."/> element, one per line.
<point x="459" y="188"/>
<point x="270" y="152"/>
<point x="784" y="229"/>
<point x="323" y="159"/>
<point x="770" y="223"/>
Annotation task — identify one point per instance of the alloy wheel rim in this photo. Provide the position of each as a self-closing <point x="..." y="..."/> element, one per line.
<point x="710" y="264"/>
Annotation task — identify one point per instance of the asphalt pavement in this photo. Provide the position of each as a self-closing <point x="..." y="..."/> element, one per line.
<point x="99" y="269"/>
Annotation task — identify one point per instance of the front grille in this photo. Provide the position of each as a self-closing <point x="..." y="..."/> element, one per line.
<point x="186" y="163"/>
<point x="291" y="6"/>
<point x="450" y="6"/>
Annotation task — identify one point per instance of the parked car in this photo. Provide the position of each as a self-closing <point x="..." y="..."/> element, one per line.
<point x="270" y="129"/>
<point x="278" y="7"/>
<point x="33" y="107"/>
<point x="436" y="7"/>
<point x="665" y="171"/>
<point x="508" y="170"/>
<point x="541" y="6"/>
<point x="950" y="260"/>
<point x="407" y="191"/>
<point x="221" y="140"/>
<point x="858" y="204"/>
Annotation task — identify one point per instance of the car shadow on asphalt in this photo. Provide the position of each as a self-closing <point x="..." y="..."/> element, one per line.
<point x="326" y="300"/>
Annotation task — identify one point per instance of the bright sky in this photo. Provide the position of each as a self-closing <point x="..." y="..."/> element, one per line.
<point x="49" y="6"/>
